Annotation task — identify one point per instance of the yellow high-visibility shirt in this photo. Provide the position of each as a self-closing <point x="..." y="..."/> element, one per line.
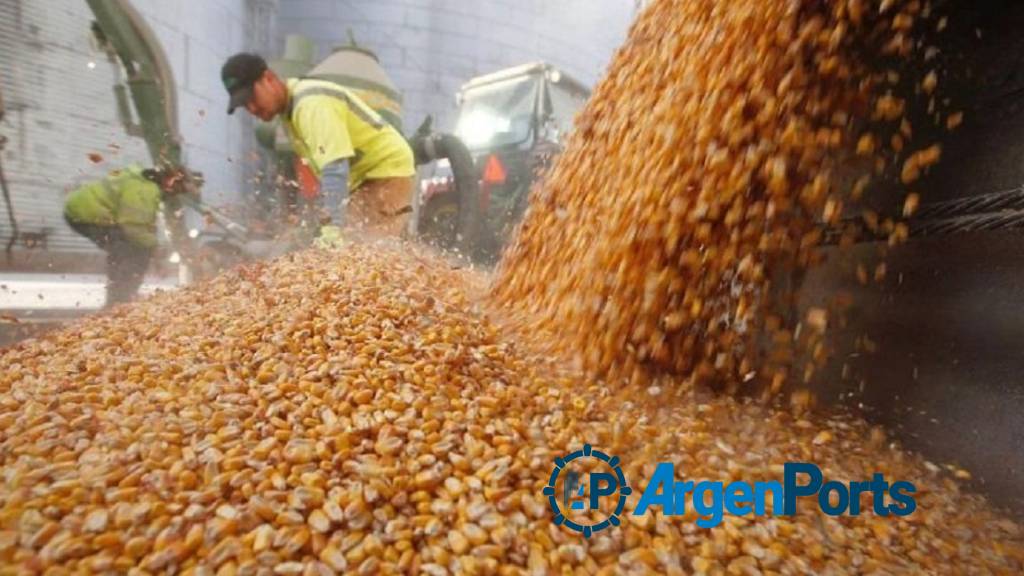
<point x="125" y="198"/>
<point x="327" y="122"/>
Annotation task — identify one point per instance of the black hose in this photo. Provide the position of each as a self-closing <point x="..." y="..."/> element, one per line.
<point x="427" y="147"/>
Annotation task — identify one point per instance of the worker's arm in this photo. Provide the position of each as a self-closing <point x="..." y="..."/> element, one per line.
<point x="334" y="190"/>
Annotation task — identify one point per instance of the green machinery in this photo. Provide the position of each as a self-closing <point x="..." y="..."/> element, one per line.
<point x="127" y="37"/>
<point x="149" y="89"/>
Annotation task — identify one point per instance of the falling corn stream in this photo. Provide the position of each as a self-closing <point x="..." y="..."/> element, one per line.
<point x="369" y="410"/>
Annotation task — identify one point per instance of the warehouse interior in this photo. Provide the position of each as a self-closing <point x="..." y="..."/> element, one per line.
<point x="725" y="235"/>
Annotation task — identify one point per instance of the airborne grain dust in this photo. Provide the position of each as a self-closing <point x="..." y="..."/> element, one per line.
<point x="357" y="411"/>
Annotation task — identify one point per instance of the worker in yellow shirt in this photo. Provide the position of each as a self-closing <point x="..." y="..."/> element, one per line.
<point x="365" y="166"/>
<point x="119" y="214"/>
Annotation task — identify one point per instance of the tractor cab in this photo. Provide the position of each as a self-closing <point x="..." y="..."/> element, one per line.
<point x="513" y="122"/>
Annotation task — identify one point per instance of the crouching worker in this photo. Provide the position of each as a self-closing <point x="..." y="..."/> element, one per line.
<point x="119" y="214"/>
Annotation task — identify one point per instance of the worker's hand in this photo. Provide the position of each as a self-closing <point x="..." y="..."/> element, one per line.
<point x="330" y="237"/>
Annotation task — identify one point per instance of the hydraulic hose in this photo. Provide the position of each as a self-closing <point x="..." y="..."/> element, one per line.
<point x="429" y="146"/>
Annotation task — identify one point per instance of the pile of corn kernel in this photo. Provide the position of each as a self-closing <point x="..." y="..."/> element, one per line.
<point x="360" y="412"/>
<point x="700" y="174"/>
<point x="357" y="412"/>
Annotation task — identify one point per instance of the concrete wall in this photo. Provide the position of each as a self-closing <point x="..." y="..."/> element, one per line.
<point x="430" y="47"/>
<point x="57" y="90"/>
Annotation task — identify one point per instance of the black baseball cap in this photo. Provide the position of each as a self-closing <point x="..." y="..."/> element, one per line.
<point x="239" y="73"/>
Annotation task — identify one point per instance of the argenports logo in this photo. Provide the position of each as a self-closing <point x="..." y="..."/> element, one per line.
<point x="594" y="491"/>
<point x="575" y="494"/>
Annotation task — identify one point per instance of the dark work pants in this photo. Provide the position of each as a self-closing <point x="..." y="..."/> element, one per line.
<point x="127" y="262"/>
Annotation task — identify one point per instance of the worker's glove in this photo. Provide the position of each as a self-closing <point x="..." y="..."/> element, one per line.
<point x="330" y="237"/>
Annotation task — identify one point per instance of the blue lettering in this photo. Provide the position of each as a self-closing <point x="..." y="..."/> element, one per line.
<point x="663" y="479"/>
<point x="571" y="482"/>
<point x="762" y="488"/>
<point x="856" y="489"/>
<point x="714" y="510"/>
<point x="878" y="487"/>
<point x="900" y="493"/>
<point x="794" y="490"/>
<point x="601" y="484"/>
<point x="825" y="502"/>
<point x="712" y="499"/>
<point x="737" y="498"/>
<point x="680" y="497"/>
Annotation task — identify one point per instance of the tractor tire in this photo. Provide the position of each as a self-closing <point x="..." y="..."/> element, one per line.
<point x="439" y="224"/>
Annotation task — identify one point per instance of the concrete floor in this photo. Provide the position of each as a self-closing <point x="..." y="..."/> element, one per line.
<point x="31" y="304"/>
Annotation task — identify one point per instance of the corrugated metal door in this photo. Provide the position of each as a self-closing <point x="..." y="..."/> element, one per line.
<point x="57" y="89"/>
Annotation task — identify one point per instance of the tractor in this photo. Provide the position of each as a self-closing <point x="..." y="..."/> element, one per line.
<point x="513" y="123"/>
